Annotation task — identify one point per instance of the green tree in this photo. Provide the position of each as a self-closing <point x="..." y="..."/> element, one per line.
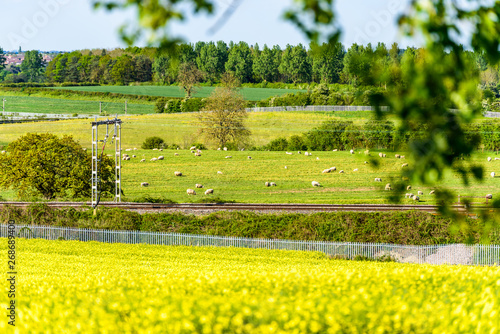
<point x="189" y="76"/>
<point x="51" y="167"/>
<point x="222" y="119"/>
<point x="209" y="61"/>
<point x="265" y="66"/>
<point x="161" y="69"/>
<point x="2" y="60"/>
<point x="327" y="62"/>
<point x="123" y="70"/>
<point x="239" y="62"/>
<point x="33" y="65"/>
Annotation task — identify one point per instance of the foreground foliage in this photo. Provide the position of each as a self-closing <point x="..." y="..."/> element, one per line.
<point x="115" y="288"/>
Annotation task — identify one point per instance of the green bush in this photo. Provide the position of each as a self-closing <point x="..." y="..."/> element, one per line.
<point x="153" y="142"/>
<point x="161" y="105"/>
<point x="297" y="143"/>
<point x="328" y="136"/>
<point x="199" y="146"/>
<point x="192" y="104"/>
<point x="173" y="106"/>
<point x="278" y="144"/>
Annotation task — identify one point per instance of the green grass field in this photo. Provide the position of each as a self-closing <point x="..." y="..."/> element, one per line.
<point x="36" y="104"/>
<point x="242" y="179"/>
<point x="251" y="94"/>
<point x="92" y="287"/>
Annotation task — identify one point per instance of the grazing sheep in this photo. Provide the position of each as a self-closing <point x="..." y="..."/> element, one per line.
<point x="225" y="148"/>
<point x="285" y="167"/>
<point x="378" y="179"/>
<point x="192" y="151"/>
<point x="289" y="153"/>
<point x="367" y="152"/>
<point x="242" y="149"/>
<point x="333" y="169"/>
<point x="134" y="156"/>
<point x="155" y="149"/>
<point x="218" y="149"/>
<point x="197" y="154"/>
<point x="161" y="157"/>
<point x="177" y="173"/>
<point x="326" y="171"/>
<point x="143" y="160"/>
<point x="228" y="157"/>
<point x="416" y="198"/>
<point x="432" y="192"/>
<point x="128" y="150"/>
<point x="272" y="184"/>
<point x="299" y="152"/>
<point x="409" y="195"/>
<point x="489" y="196"/>
<point x="192" y="148"/>
<point x="408" y="188"/>
<point x="306" y="153"/>
<point x="341" y="172"/>
<point x="199" y="185"/>
<point x="404" y="165"/>
<point x="317" y="158"/>
<point x="219" y="172"/>
<point x="153" y="159"/>
<point x="380" y="154"/>
<point x="398" y="156"/>
<point x="176" y="154"/>
<point x="402" y="157"/>
<point x="335" y="150"/>
<point x="315" y="184"/>
<point x="135" y="149"/>
<point x="420" y="193"/>
<point x="384" y="155"/>
<point x="249" y="157"/>
<point x="366" y="162"/>
<point x="198" y="150"/>
<point x="497" y="158"/>
<point x="209" y="191"/>
<point x="351" y="151"/>
<point x="127" y="158"/>
<point x="160" y="149"/>
<point x="267" y="184"/>
<point x="144" y="184"/>
<point x="388" y="186"/>
<point x="492" y="174"/>
<point x="355" y="170"/>
<point x="191" y="192"/>
<point x="489" y="159"/>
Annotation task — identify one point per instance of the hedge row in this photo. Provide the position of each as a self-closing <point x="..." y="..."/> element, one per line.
<point x="407" y="228"/>
<point x="344" y="135"/>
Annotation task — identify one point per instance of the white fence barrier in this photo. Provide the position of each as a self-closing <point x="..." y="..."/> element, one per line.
<point x="314" y="108"/>
<point x="488" y="255"/>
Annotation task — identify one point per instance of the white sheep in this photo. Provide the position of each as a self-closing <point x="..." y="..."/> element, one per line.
<point x="267" y="184"/>
<point x="492" y="174"/>
<point x="191" y="192"/>
<point x="219" y="172"/>
<point x="143" y="160"/>
<point x="197" y="154"/>
<point x="272" y="184"/>
<point x="135" y="149"/>
<point x="366" y="162"/>
<point x="299" y="152"/>
<point x="384" y="155"/>
<point x="134" y="156"/>
<point x="225" y="148"/>
<point x="155" y="149"/>
<point x="367" y="152"/>
<point x="404" y="165"/>
<point x="177" y="173"/>
<point x="128" y="150"/>
<point x="176" y="154"/>
<point x="335" y="150"/>
<point x="326" y="171"/>
<point x="286" y="167"/>
<point x="381" y="154"/>
<point x="489" y="196"/>
<point x="192" y="151"/>
<point x="161" y="157"/>
<point x="432" y="192"/>
<point x="315" y="184"/>
<point x="249" y="157"/>
<point x="489" y="159"/>
<point x="160" y="149"/>
<point x="153" y="159"/>
<point x="192" y="148"/>
<point x="355" y="170"/>
<point x="144" y="184"/>
<point x="341" y="172"/>
<point x="378" y="179"/>
<point x="209" y="191"/>
<point x="333" y="169"/>
<point x="398" y="156"/>
<point x="289" y="153"/>
<point x="317" y="158"/>
<point x="218" y="149"/>
<point x="402" y="157"/>
<point x="199" y="185"/>
<point x="408" y="188"/>
<point x="351" y="151"/>
<point x="420" y="193"/>
<point x="416" y="198"/>
<point x="388" y="186"/>
<point x="228" y="157"/>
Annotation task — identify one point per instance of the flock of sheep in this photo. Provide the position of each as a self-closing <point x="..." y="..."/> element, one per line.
<point x="388" y="187"/>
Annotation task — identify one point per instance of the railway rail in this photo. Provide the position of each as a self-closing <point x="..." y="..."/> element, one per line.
<point x="206" y="207"/>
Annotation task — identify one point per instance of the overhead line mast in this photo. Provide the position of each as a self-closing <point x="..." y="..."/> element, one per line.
<point x="97" y="159"/>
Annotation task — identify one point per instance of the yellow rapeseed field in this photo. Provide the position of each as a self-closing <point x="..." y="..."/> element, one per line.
<point x="90" y="287"/>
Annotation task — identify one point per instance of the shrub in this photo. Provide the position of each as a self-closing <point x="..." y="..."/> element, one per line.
<point x="199" y="146"/>
<point x="297" y="143"/>
<point x="278" y="144"/>
<point x="153" y="142"/>
<point x="160" y="105"/>
<point x="328" y="136"/>
<point x="192" y="104"/>
<point x="173" y="106"/>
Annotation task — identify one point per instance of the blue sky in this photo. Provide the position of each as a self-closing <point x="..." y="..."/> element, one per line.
<point x="71" y="25"/>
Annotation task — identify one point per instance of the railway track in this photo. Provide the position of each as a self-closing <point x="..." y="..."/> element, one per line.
<point x="145" y="207"/>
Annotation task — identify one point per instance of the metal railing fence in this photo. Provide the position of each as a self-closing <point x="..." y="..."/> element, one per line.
<point x="488" y="255"/>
